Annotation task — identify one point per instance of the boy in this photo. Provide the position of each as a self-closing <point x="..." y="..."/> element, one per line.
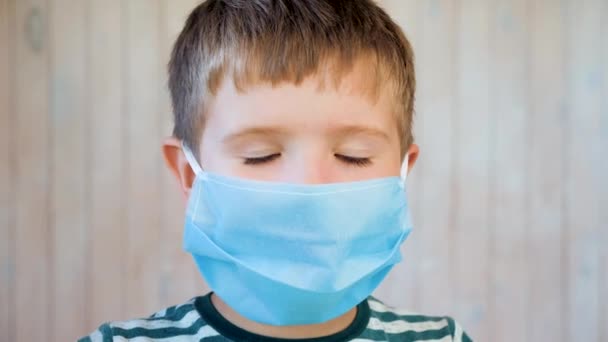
<point x="292" y="122"/>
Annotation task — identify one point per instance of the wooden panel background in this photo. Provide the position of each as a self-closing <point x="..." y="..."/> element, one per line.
<point x="510" y="195"/>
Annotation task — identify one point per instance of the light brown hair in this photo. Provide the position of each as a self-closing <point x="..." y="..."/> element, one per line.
<point x="286" y="41"/>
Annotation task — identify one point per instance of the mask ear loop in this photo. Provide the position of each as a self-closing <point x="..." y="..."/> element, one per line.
<point x="404" y="170"/>
<point x="191" y="160"/>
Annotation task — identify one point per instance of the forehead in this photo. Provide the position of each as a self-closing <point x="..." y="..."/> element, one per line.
<point x="319" y="103"/>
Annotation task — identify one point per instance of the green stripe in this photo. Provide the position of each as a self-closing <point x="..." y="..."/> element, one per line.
<point x="391" y="317"/>
<point x="215" y="338"/>
<point x="452" y="324"/>
<point x="174" y="315"/>
<point x="157" y="314"/>
<point x="381" y="335"/>
<point x="427" y="335"/>
<point x="170" y="311"/>
<point x="159" y="333"/>
<point x="106" y="332"/>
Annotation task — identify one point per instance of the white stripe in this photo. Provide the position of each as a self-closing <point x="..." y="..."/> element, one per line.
<point x="443" y="339"/>
<point x="185" y="322"/>
<point x="160" y="313"/>
<point x="205" y="331"/>
<point x="190" y="302"/>
<point x="458" y="333"/>
<point x="398" y="327"/>
<point x="163" y="312"/>
<point x="380" y="307"/>
<point x="96" y="336"/>
<point x="447" y="338"/>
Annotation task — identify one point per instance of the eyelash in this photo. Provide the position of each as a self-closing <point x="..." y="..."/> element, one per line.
<point x="354" y="160"/>
<point x="261" y="160"/>
<point x="349" y="160"/>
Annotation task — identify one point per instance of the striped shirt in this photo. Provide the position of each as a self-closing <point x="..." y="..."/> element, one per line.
<point x="198" y="320"/>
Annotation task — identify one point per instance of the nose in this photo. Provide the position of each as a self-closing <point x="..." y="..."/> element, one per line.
<point x="315" y="175"/>
<point x="309" y="168"/>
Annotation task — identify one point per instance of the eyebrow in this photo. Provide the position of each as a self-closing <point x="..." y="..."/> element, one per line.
<point x="361" y="130"/>
<point x="275" y="131"/>
<point x="254" y="131"/>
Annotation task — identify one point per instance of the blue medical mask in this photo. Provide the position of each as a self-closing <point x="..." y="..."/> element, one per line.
<point x="293" y="254"/>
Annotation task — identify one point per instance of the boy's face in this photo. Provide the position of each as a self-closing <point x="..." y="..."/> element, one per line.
<point x="298" y="134"/>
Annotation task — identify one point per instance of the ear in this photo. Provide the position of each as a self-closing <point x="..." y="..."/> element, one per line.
<point x="412" y="154"/>
<point x="178" y="164"/>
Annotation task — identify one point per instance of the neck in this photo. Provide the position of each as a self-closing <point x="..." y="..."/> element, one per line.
<point x="290" y="332"/>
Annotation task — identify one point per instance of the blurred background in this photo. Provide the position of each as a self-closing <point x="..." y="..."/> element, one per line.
<point x="509" y="197"/>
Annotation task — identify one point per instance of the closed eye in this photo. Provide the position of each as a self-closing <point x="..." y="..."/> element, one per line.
<point x="261" y="160"/>
<point x="354" y="160"/>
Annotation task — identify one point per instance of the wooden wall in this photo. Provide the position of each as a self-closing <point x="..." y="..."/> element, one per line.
<point x="510" y="195"/>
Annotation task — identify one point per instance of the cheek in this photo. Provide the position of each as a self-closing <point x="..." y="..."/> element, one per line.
<point x="386" y="167"/>
<point x="211" y="156"/>
<point x="381" y="167"/>
<point x="389" y="164"/>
